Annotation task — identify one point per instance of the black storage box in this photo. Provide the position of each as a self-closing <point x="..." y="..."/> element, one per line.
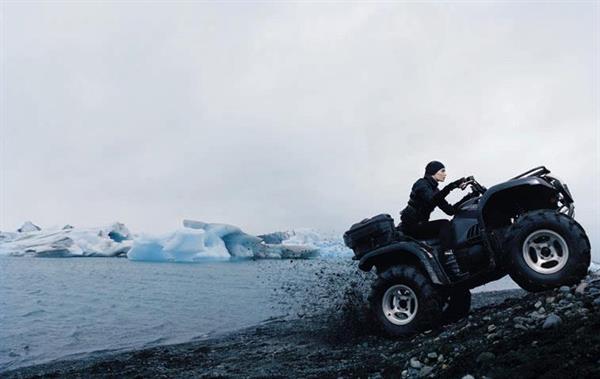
<point x="370" y="234"/>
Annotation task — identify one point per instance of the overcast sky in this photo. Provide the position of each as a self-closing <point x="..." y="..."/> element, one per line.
<point x="274" y="116"/>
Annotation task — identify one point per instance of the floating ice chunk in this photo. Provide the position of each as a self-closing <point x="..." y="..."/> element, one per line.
<point x="329" y="246"/>
<point x="8" y="236"/>
<point x="64" y="242"/>
<point x="287" y="252"/>
<point x="303" y="236"/>
<point x="238" y="243"/>
<point x="197" y="241"/>
<point x="28" y="226"/>
<point x="334" y="248"/>
<point x="185" y="245"/>
<point x="242" y="245"/>
<point x="200" y="241"/>
<point x="118" y="232"/>
<point x="275" y="237"/>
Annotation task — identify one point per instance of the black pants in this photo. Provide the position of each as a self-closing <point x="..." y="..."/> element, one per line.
<point x="430" y="229"/>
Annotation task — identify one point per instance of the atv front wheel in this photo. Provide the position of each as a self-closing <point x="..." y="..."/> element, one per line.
<point x="547" y="249"/>
<point x="404" y="301"/>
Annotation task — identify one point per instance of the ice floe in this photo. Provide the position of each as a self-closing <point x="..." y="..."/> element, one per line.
<point x="199" y="241"/>
<point x="109" y="241"/>
<point x="195" y="241"/>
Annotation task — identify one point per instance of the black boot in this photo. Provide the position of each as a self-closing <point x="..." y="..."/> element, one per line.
<point x="452" y="267"/>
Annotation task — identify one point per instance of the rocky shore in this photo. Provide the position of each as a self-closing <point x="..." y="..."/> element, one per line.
<point x="509" y="334"/>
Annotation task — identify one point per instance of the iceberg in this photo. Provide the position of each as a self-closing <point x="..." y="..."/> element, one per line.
<point x="236" y="242"/>
<point x="70" y="242"/>
<point x="303" y="236"/>
<point x="328" y="245"/>
<point x="199" y="241"/>
<point x="185" y="245"/>
<point x="195" y="241"/>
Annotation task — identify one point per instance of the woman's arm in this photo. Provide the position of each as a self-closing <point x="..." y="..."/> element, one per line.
<point x="426" y="193"/>
<point x="438" y="198"/>
<point x="448" y="209"/>
<point x="451" y="210"/>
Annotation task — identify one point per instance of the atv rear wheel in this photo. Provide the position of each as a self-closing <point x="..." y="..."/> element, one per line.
<point x="547" y="249"/>
<point x="457" y="304"/>
<point x="404" y="301"/>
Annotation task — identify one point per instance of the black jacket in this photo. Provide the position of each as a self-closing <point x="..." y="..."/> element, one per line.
<point x="424" y="197"/>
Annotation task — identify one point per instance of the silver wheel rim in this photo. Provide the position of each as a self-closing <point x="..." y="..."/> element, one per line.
<point x="399" y="304"/>
<point x="545" y="251"/>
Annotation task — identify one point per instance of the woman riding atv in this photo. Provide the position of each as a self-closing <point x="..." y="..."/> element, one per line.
<point x="523" y="227"/>
<point x="424" y="197"/>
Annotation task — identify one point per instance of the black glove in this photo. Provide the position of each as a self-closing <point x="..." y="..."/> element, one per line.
<point x="456" y="183"/>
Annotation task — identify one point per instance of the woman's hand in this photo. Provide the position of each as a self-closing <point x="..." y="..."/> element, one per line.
<point x="464" y="184"/>
<point x="455" y="184"/>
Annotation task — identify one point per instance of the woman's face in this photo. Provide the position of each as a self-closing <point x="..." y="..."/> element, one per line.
<point x="440" y="176"/>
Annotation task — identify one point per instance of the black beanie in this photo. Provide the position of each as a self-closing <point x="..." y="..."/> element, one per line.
<point x="433" y="167"/>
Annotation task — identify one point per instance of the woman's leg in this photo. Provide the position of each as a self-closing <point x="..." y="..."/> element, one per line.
<point x="445" y="233"/>
<point x="441" y="229"/>
<point x="449" y="258"/>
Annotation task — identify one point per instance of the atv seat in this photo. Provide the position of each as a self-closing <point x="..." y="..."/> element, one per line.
<point x="431" y="240"/>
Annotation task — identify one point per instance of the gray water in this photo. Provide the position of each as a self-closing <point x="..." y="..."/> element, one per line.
<point x="57" y="308"/>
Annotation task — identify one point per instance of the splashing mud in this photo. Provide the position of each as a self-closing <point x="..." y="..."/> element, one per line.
<point x="349" y="318"/>
<point x="332" y="294"/>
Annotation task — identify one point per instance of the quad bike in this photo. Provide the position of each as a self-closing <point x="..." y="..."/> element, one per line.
<point x="523" y="227"/>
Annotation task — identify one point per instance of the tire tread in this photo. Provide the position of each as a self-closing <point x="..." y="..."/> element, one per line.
<point x="582" y="249"/>
<point x="430" y="304"/>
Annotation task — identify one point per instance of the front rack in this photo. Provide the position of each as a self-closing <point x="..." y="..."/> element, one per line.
<point x="533" y="172"/>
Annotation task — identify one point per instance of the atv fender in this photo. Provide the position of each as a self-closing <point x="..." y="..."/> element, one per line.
<point x="407" y="253"/>
<point x="530" y="192"/>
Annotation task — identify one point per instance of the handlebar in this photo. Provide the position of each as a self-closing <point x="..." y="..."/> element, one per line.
<point x="478" y="188"/>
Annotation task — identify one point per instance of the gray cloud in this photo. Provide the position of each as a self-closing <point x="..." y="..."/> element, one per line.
<point x="277" y="116"/>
